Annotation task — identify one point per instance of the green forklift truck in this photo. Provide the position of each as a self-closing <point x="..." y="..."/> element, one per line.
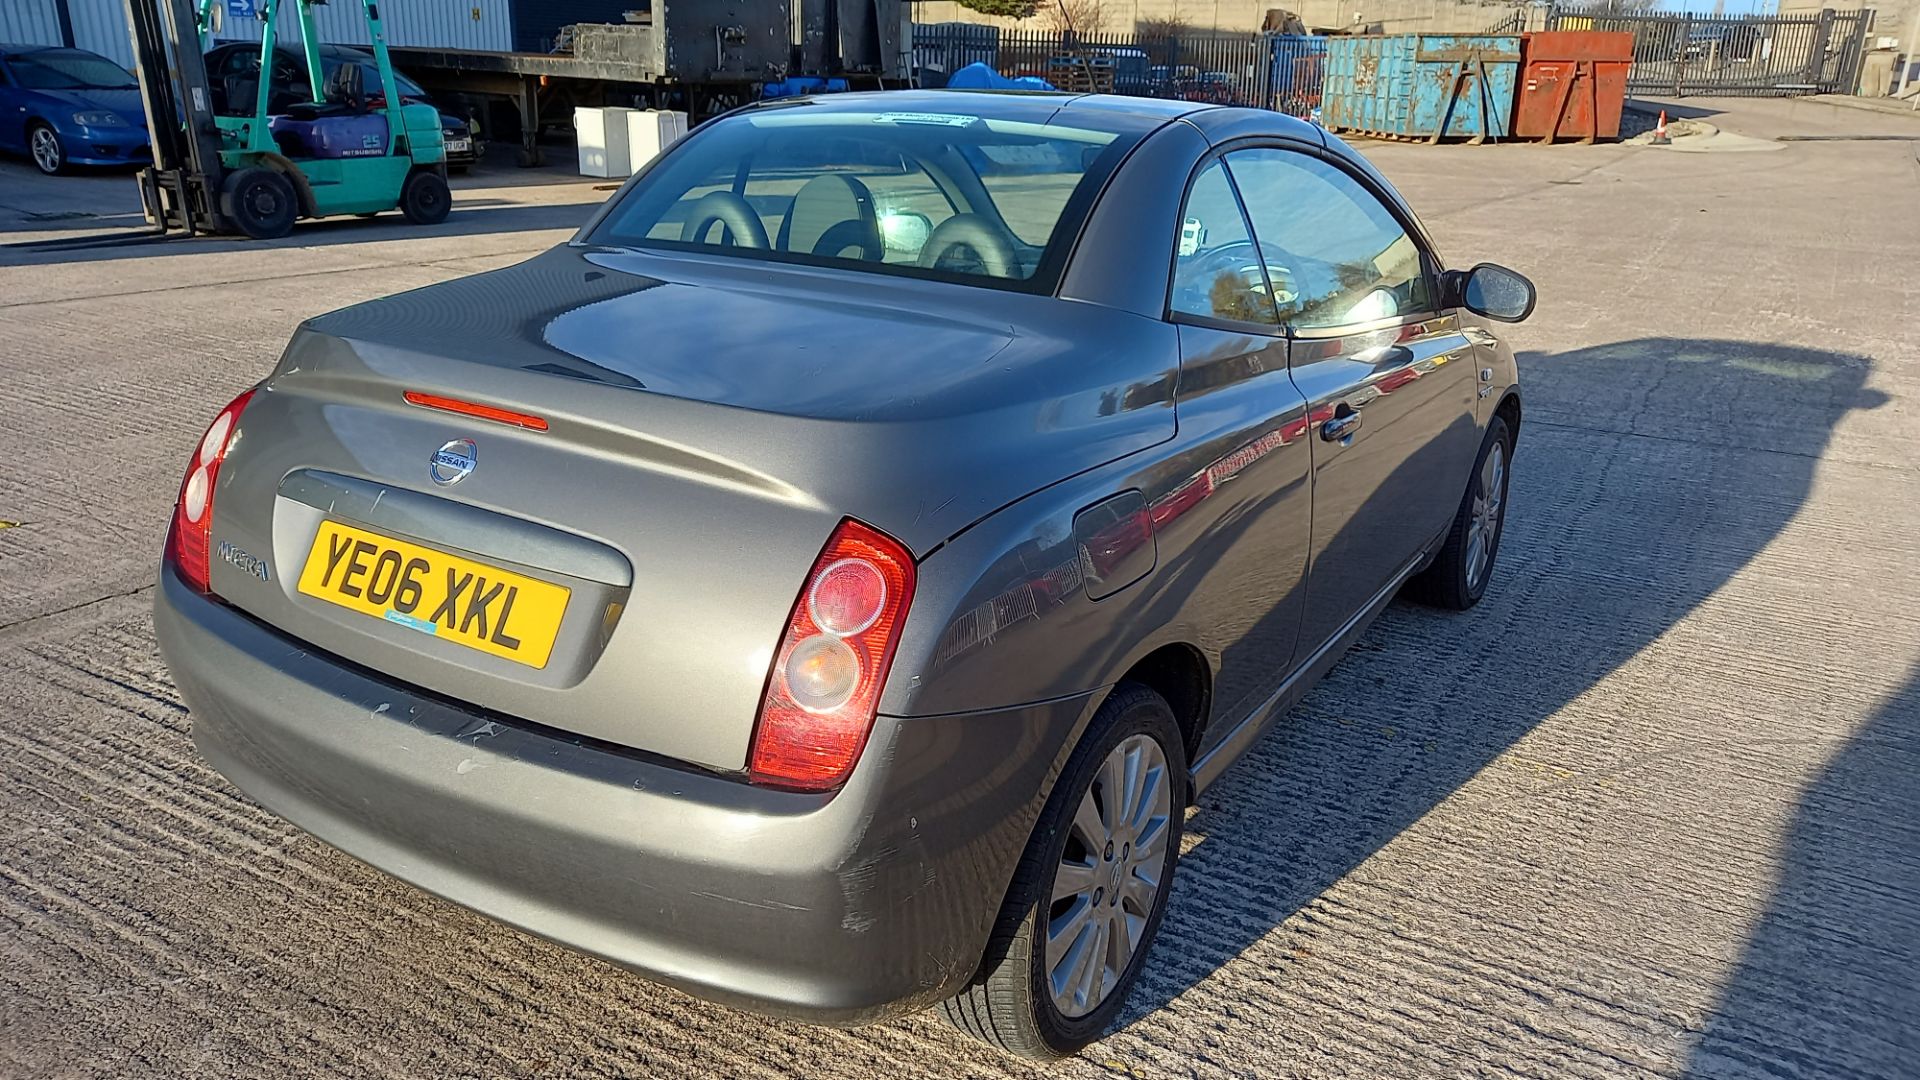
<point x="350" y="150"/>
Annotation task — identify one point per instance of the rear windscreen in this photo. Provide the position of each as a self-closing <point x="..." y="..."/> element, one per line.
<point x="936" y="194"/>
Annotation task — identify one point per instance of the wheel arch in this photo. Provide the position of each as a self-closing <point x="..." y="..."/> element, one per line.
<point x="1179" y="672"/>
<point x="302" y="190"/>
<point x="1509" y="410"/>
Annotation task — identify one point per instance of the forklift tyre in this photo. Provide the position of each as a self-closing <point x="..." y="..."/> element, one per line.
<point x="260" y="202"/>
<point x="424" y="198"/>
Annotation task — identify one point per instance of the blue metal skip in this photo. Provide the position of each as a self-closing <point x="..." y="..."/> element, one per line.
<point x="1431" y="86"/>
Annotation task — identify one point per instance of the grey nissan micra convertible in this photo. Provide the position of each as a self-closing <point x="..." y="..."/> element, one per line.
<point x="824" y="583"/>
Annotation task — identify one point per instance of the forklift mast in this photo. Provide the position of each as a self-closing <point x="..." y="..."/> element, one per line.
<point x="180" y="189"/>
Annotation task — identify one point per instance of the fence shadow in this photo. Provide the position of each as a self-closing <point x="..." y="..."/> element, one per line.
<point x="1426" y="700"/>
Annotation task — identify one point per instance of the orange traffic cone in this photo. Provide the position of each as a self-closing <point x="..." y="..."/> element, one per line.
<point x="1660" y="131"/>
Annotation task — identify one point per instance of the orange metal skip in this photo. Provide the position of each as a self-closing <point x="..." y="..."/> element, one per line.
<point x="1573" y="84"/>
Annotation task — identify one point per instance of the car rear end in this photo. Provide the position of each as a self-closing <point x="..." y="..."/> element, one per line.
<point x="572" y="591"/>
<point x="557" y="710"/>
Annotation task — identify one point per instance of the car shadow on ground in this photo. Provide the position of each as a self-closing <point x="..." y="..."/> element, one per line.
<point x="1833" y="957"/>
<point x="1629" y="507"/>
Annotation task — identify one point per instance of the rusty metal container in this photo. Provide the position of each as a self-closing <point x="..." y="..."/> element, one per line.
<point x="1421" y="86"/>
<point x="1573" y="84"/>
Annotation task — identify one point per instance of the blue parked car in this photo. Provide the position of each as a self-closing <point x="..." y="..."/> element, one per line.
<point x="65" y="107"/>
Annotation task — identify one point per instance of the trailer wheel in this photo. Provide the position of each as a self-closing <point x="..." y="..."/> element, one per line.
<point x="260" y="203"/>
<point x="424" y="199"/>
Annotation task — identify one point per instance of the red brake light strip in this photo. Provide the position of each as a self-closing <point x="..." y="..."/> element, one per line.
<point x="474" y="408"/>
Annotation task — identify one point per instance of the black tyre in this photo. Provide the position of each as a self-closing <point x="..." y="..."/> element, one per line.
<point x="1087" y="899"/>
<point x="424" y="198"/>
<point x="1459" y="574"/>
<point x="49" y="153"/>
<point x="260" y="203"/>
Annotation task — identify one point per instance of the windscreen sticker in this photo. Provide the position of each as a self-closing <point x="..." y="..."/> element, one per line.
<point x="937" y="119"/>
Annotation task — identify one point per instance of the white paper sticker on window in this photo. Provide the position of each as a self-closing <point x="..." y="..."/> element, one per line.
<point x="938" y="119"/>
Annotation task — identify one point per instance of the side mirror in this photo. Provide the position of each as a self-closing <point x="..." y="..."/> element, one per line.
<point x="1490" y="290"/>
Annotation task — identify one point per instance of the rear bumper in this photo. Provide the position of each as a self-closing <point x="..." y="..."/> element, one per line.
<point x="843" y="909"/>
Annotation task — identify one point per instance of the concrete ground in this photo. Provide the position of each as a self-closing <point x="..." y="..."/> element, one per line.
<point x="1651" y="809"/>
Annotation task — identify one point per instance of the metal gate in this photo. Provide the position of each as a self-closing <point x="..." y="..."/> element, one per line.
<point x="1224" y="69"/>
<point x="1774" y="55"/>
<point x="1296" y="73"/>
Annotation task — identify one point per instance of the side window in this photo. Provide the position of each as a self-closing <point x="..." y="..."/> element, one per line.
<point x="1335" y="255"/>
<point x="1216" y="267"/>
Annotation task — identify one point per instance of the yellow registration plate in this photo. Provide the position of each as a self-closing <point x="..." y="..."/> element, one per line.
<point x="479" y="606"/>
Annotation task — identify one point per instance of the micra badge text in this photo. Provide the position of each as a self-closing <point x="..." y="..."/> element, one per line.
<point x="239" y="558"/>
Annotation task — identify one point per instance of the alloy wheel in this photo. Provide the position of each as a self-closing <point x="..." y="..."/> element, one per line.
<point x="1109" y="877"/>
<point x="46" y="150"/>
<point x="1483" y="531"/>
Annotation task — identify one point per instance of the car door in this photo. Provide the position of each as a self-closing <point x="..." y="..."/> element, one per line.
<point x="1388" y="376"/>
<point x="1233" y="525"/>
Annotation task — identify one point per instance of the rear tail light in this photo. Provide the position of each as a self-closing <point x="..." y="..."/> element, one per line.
<point x="190" y="539"/>
<point x="832" y="662"/>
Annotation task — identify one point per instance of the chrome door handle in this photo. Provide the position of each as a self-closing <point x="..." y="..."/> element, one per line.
<point x="1340" y="427"/>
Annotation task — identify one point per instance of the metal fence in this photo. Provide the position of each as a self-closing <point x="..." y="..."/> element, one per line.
<point x="1772" y="55"/>
<point x="1674" y="54"/>
<point x="1222" y="69"/>
<point x="1296" y="72"/>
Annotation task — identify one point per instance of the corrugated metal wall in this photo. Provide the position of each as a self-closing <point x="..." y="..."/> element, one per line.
<point x="101" y="25"/>
<point x="485" y="25"/>
<point x="29" y="22"/>
<point x="98" y="25"/>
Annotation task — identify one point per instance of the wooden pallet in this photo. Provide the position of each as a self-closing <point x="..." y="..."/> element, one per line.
<point x="1077" y="73"/>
